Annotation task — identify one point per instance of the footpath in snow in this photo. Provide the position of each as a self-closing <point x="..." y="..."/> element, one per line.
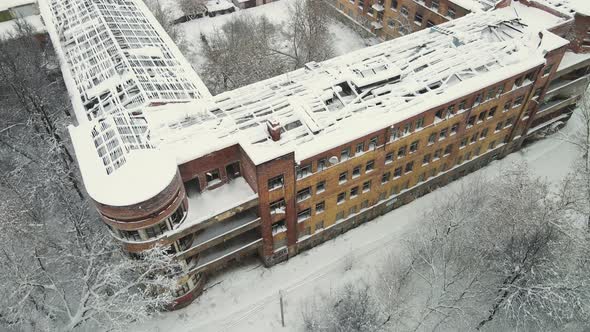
<point x="246" y="298"/>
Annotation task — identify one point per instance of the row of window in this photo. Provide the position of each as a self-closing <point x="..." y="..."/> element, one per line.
<point x="153" y="231"/>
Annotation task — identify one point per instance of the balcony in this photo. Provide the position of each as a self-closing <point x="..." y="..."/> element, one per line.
<point x="218" y="256"/>
<point x="567" y="87"/>
<point x="213" y="206"/>
<point x="222" y="232"/>
<point x="555" y="105"/>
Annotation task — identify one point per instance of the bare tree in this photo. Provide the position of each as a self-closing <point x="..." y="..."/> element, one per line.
<point x="500" y="250"/>
<point x="580" y="138"/>
<point x="166" y="19"/>
<point x="307" y="33"/>
<point x="353" y="308"/>
<point x="59" y="268"/>
<point x="239" y="53"/>
<point x="193" y="8"/>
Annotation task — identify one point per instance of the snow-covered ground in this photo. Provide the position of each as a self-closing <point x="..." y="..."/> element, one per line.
<point x="246" y="298"/>
<point x="344" y="39"/>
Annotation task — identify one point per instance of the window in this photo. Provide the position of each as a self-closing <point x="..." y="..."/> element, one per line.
<point x="499" y="126"/>
<point x="500" y="90"/>
<point x="360" y="147"/>
<point x="385" y="177"/>
<point x="454" y="128"/>
<point x="547" y="70"/>
<point x="468" y="156"/>
<point x="518" y="101"/>
<point x="303" y="194"/>
<point x="443" y="134"/>
<point x="373" y="143"/>
<point x="320" y="187"/>
<point x="319" y="225"/>
<point x="212" y="177"/>
<point x="404" y="11"/>
<point x="492" y="112"/>
<point x="492" y="145"/>
<point x="394" y="4"/>
<point x="354" y="191"/>
<point x="352" y="210"/>
<point x="414" y="147"/>
<point x="470" y="121"/>
<point x="361" y="3"/>
<point x="366" y="186"/>
<point x="451" y="12"/>
<point x="509" y="122"/>
<point x="440" y="114"/>
<point x="426" y="159"/>
<point x="437" y="154"/>
<point x="491" y="93"/>
<point x="409" y="166"/>
<point x="477" y="151"/>
<point x="481" y="116"/>
<point x="434" y="5"/>
<point x="477" y="99"/>
<point x="278" y="206"/>
<point x="518" y="81"/>
<point x="305" y="214"/>
<point x="397" y="172"/>
<point x="484" y="133"/>
<point x="339" y="215"/>
<point x="342" y="177"/>
<point x="389" y="157"/>
<point x="429" y="23"/>
<point x="463" y="142"/>
<point x="419" y="123"/>
<point x="156" y="230"/>
<point x="530" y="76"/>
<point x="538" y="92"/>
<point x="462" y="104"/>
<point x="474" y="138"/>
<point x="303" y="171"/>
<point x="431" y="138"/>
<point x="418" y="18"/>
<point x="407" y="128"/>
<point x="451" y="109"/>
<point x="448" y="149"/>
<point x="341" y="198"/>
<point x="370" y="166"/>
<point x="507" y="106"/>
<point x="365" y="204"/>
<point x="401" y="152"/>
<point x="275" y="182"/>
<point x="421" y="177"/>
<point x="394" y="134"/>
<point x="391" y="23"/>
<point x="322" y="164"/>
<point x="356" y="171"/>
<point x="345" y="154"/>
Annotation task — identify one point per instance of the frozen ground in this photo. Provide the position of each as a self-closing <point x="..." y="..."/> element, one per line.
<point x="344" y="39"/>
<point x="247" y="297"/>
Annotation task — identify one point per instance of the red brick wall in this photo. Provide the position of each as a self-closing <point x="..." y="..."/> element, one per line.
<point x="286" y="166"/>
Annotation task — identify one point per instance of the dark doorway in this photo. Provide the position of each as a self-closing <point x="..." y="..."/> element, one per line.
<point x="233" y="170"/>
<point x="192" y="187"/>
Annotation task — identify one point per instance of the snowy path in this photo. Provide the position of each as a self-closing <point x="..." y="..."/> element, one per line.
<point x="247" y="298"/>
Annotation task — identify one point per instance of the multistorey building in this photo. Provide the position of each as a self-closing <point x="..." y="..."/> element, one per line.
<point x="389" y="19"/>
<point x="281" y="165"/>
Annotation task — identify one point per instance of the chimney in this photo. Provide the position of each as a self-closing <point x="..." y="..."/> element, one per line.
<point x="274" y="129"/>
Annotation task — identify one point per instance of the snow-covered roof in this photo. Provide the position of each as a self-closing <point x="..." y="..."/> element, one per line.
<point x="568" y="6"/>
<point x="325" y="104"/>
<point x="117" y="61"/>
<point x="476" y="6"/>
<point x="535" y="17"/>
<point x="136" y="97"/>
